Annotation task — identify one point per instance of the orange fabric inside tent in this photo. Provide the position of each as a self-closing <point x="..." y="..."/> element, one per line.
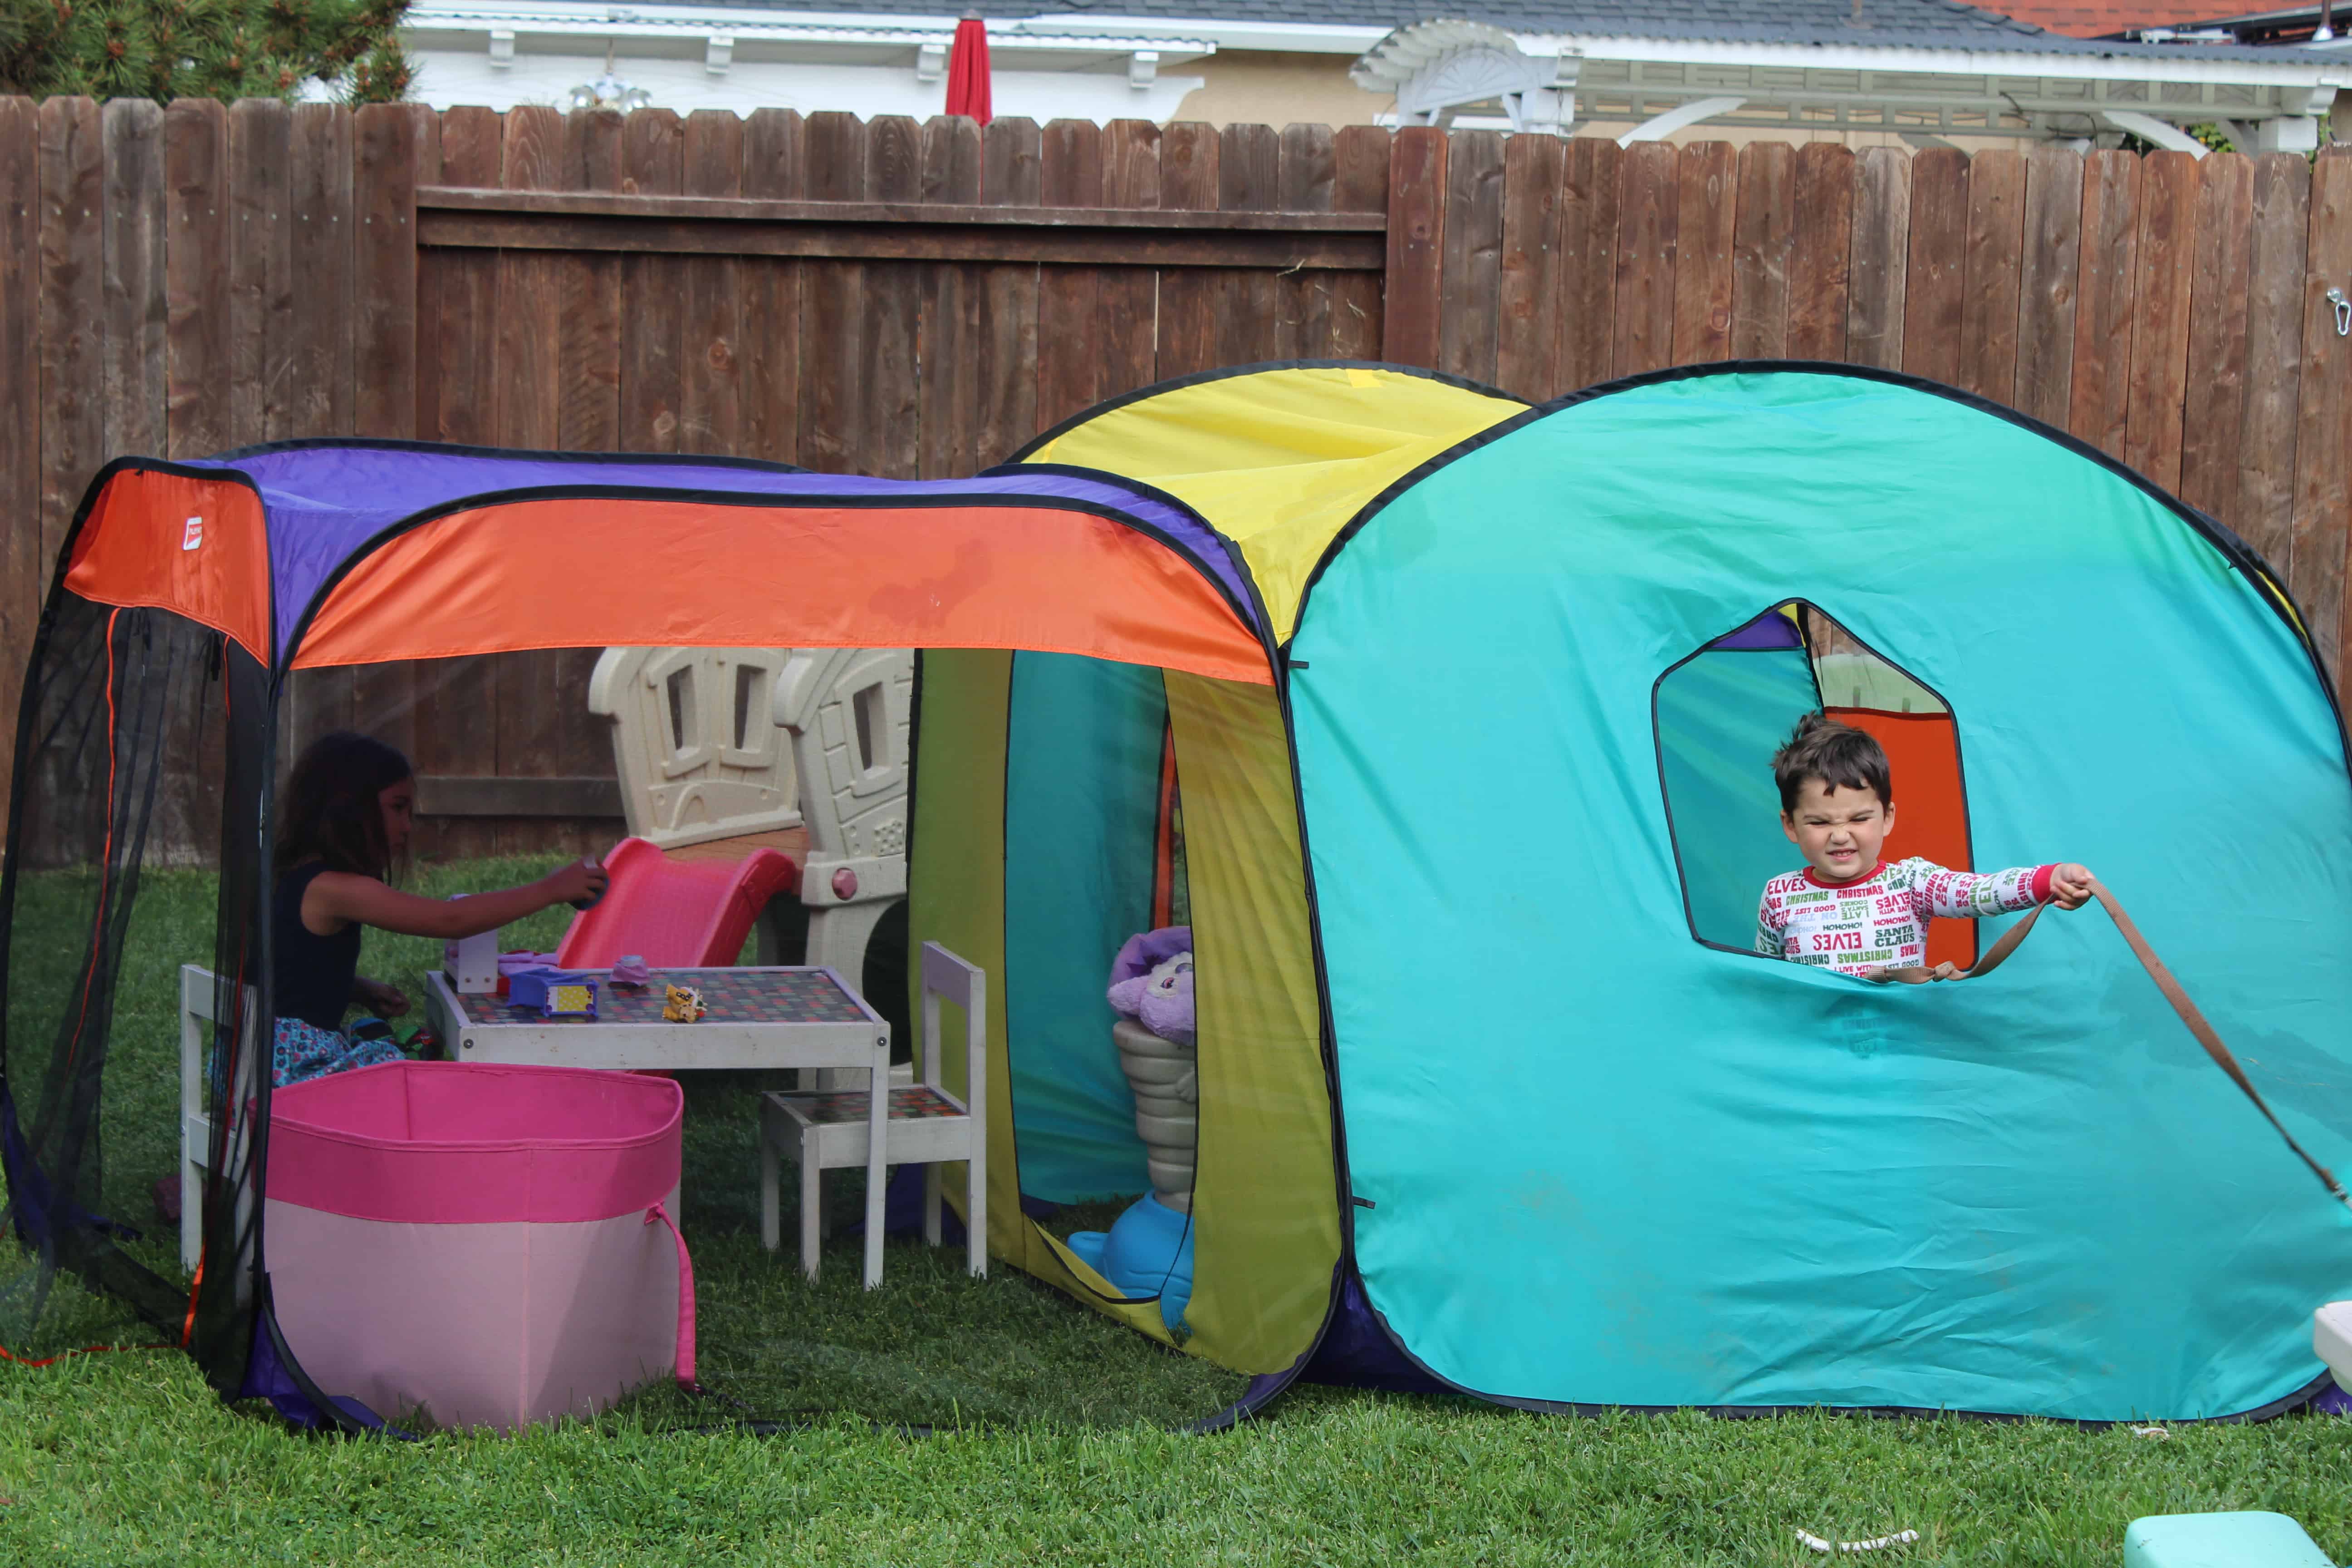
<point x="1931" y="809"/>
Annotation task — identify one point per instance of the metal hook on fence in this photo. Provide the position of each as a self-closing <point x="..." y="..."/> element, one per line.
<point x="2343" y="312"/>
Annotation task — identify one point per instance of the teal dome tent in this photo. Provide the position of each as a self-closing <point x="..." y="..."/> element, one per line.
<point x="1599" y="1152"/>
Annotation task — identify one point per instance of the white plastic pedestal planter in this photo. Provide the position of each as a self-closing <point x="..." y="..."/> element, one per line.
<point x="1166" y="1115"/>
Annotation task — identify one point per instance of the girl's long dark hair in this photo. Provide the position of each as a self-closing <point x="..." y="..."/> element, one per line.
<point x="331" y="811"/>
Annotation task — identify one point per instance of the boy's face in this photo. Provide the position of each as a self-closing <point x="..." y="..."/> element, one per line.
<point x="1839" y="830"/>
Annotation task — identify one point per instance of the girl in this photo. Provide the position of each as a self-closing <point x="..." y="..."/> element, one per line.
<point x="343" y="829"/>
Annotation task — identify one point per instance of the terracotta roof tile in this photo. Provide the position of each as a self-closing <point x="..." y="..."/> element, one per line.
<point x="2104" y="18"/>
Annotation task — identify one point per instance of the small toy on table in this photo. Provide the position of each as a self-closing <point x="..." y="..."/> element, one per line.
<point x="683" y="1005"/>
<point x="571" y="999"/>
<point x="513" y="964"/>
<point x="553" y="993"/>
<point x="631" y="970"/>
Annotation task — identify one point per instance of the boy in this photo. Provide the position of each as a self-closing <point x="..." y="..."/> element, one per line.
<point x="1847" y="911"/>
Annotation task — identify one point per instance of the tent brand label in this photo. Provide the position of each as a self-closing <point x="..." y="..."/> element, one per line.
<point x="192" y="533"/>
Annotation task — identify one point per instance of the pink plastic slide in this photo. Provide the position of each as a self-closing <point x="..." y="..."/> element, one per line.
<point x="486" y="1244"/>
<point x="679" y="914"/>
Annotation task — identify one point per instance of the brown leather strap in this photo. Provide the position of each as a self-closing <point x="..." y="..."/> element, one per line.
<point x="2173" y="993"/>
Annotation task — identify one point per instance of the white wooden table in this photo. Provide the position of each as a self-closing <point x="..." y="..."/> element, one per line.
<point x="760" y="1019"/>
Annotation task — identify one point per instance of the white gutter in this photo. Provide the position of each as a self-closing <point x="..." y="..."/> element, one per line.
<point x="692" y="20"/>
<point x="2289" y="70"/>
<point x="442" y="18"/>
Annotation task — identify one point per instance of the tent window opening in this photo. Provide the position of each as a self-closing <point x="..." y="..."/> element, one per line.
<point x="866" y="708"/>
<point x="750" y="699"/>
<point x="682" y="721"/>
<point x="1722" y="710"/>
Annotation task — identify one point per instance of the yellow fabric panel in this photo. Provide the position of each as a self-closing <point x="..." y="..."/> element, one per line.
<point x="956" y="885"/>
<point x="1265" y="1199"/>
<point x="1279" y="460"/>
<point x="956" y="898"/>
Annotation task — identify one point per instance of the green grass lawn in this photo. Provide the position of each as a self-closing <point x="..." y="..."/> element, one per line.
<point x="1056" y="1442"/>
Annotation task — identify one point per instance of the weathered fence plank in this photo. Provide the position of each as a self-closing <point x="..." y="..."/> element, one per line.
<point x="1819" y="287"/>
<point x="887" y="443"/>
<point x="1988" y="288"/>
<point x="195" y="263"/>
<point x="1763" y="244"/>
<point x="1129" y="296"/>
<point x="2212" y="419"/>
<point x="1882" y="249"/>
<point x="1528" y="294"/>
<point x="384" y="269"/>
<point x="134" y="225"/>
<point x="23" y="575"/>
<point x="1708" y="188"/>
<point x="72" y="314"/>
<point x="1249" y="180"/>
<point x="1590" y="201"/>
<point x="1070" y="336"/>
<point x="1473" y="256"/>
<point x="1004" y="345"/>
<point x="775" y="166"/>
<point x="1416" y="270"/>
<point x="711" y="404"/>
<point x="2322" y="448"/>
<point x="652" y="292"/>
<point x="1189" y="155"/>
<point x="1361" y="186"/>
<point x="2098" y="411"/>
<point x="2048" y="278"/>
<point x="1308" y="173"/>
<point x="1935" y="268"/>
<point x="262" y="272"/>
<point x="318" y="199"/>
<point x="1650" y="207"/>
<point x="2266" y="432"/>
<point x="951" y="315"/>
<point x="2160" y="296"/>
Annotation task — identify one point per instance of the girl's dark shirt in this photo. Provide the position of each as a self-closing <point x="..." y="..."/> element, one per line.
<point x="314" y="972"/>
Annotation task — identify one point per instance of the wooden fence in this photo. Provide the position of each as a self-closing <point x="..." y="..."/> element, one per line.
<point x="918" y="300"/>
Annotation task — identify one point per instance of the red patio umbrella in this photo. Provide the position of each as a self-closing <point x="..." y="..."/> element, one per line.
<point x="968" y="70"/>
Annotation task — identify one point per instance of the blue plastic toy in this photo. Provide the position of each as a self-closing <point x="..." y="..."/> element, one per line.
<point x="1148" y="1252"/>
<point x="553" y="993"/>
<point x="2220" y="1541"/>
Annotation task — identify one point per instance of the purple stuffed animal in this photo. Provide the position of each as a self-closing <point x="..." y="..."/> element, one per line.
<point x="1151" y="983"/>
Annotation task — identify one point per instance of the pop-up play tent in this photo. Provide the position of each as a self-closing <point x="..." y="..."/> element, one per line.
<point x="1465" y="713"/>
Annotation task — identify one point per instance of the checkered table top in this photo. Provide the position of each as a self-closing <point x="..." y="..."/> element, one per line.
<point x="732" y="996"/>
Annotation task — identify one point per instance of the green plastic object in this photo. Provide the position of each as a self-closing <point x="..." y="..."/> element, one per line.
<point x="2220" y="1541"/>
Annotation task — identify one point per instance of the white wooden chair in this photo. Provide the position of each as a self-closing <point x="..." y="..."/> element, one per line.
<point x="927" y="1126"/>
<point x="198" y="993"/>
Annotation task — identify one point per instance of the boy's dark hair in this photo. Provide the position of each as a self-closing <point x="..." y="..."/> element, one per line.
<point x="1840" y="755"/>
<point x="330" y="809"/>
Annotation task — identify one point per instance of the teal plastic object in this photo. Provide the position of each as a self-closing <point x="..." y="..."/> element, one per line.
<point x="1594" y="1160"/>
<point x="1148" y="1252"/>
<point x="2220" y="1541"/>
<point x="1081" y="810"/>
<point x="1720" y="718"/>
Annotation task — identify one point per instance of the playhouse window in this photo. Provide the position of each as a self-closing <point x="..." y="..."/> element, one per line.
<point x="1722" y="710"/>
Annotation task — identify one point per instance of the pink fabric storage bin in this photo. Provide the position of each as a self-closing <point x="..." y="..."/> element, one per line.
<point x="488" y="1245"/>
